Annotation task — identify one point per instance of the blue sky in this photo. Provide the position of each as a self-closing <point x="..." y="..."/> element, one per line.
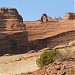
<point x="33" y="9"/>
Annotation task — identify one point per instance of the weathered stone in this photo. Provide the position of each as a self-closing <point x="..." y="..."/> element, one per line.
<point x="63" y="38"/>
<point x="58" y="68"/>
<point x="59" y="18"/>
<point x="13" y="42"/>
<point x="50" y="18"/>
<point x="16" y="40"/>
<point x="44" y="18"/>
<point x="69" y="16"/>
<point x="10" y="19"/>
<point x="55" y="19"/>
<point x="64" y="73"/>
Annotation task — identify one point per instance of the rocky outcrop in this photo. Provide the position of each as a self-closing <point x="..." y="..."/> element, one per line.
<point x="56" y="68"/>
<point x="13" y="37"/>
<point x="44" y="18"/>
<point x="69" y="16"/>
<point x="59" y="18"/>
<point x="10" y="19"/>
<point x="55" y="19"/>
<point x="38" y="33"/>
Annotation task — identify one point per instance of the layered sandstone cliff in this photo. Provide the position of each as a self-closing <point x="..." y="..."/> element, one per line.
<point x="60" y="39"/>
<point x="13" y="37"/>
<point x="10" y="19"/>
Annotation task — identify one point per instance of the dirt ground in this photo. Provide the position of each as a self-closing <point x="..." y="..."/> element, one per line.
<point x="15" y="64"/>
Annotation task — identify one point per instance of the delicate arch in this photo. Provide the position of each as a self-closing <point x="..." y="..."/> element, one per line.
<point x="42" y="17"/>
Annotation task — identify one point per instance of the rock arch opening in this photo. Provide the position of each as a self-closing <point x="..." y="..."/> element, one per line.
<point x="44" y="18"/>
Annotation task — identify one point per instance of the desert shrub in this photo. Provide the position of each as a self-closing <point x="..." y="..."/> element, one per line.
<point x="47" y="57"/>
<point x="60" y="54"/>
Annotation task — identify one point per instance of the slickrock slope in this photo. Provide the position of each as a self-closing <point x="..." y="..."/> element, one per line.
<point x="45" y="34"/>
<point x="15" y="64"/>
<point x="41" y="35"/>
<point x="40" y="30"/>
<point x="37" y="30"/>
<point x="63" y="38"/>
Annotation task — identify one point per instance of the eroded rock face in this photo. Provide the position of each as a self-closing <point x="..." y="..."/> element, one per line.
<point x="10" y="19"/>
<point x="13" y="42"/>
<point x="69" y="16"/>
<point x="60" y="39"/>
<point x="55" y="19"/>
<point x="59" y="18"/>
<point x="50" y="18"/>
<point x="13" y="37"/>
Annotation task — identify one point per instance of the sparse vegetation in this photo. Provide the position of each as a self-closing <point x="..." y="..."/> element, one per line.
<point x="61" y="53"/>
<point x="47" y="57"/>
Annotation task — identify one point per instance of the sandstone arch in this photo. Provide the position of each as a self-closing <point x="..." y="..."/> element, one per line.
<point x="44" y="16"/>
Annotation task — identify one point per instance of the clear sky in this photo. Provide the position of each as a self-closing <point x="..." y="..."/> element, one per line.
<point x="33" y="9"/>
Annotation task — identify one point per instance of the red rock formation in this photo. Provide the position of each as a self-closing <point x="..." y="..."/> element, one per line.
<point x="60" y="39"/>
<point x="49" y="18"/>
<point x="44" y="18"/>
<point x="69" y="16"/>
<point x="55" y="19"/>
<point x="10" y="19"/>
<point x="59" y="18"/>
<point x="12" y="41"/>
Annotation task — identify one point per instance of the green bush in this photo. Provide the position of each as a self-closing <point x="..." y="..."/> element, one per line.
<point x="47" y="57"/>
